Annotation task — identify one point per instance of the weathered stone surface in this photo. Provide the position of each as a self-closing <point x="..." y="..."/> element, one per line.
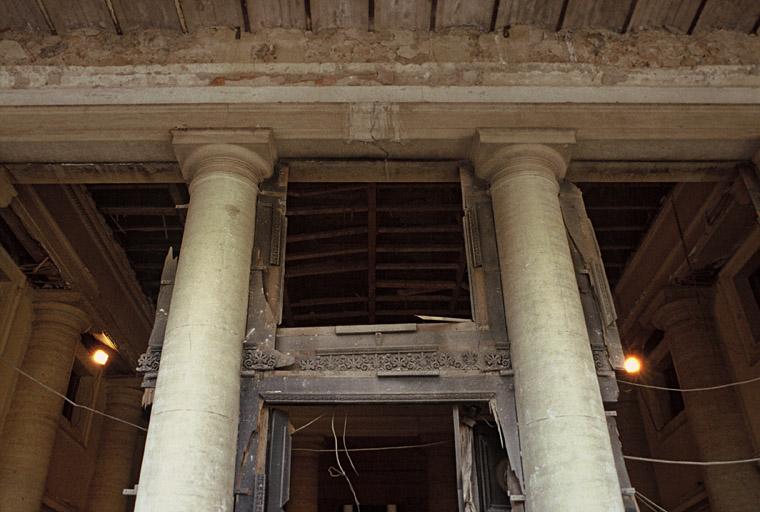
<point x="518" y="44"/>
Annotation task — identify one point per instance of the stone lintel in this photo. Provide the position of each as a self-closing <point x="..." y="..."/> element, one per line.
<point x="250" y="153"/>
<point x="493" y="147"/>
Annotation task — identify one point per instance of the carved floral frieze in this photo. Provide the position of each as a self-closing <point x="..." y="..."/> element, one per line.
<point x="408" y="361"/>
<point x="255" y="359"/>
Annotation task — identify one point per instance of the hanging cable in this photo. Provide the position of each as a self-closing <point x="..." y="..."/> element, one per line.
<point x="345" y="446"/>
<point x="689" y="390"/>
<point x="68" y="400"/>
<point x="651" y="505"/>
<point x="340" y="471"/>
<point x="307" y="425"/>
<point x="694" y="462"/>
<point x="377" y="449"/>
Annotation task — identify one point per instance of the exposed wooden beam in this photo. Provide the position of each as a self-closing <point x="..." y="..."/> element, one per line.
<point x="417" y="266"/>
<point x="322" y="235"/>
<point x="324" y="191"/>
<point x="419" y="248"/>
<point x="416" y="284"/>
<point x="408" y="230"/>
<point x="320" y="270"/>
<point x="371" y="249"/>
<point x="324" y="253"/>
<point x="461" y="269"/>
<point x="328" y="301"/>
<point x="329" y="316"/>
<point x="139" y="210"/>
<point x="298" y="211"/>
<point x="418" y="298"/>
<point x="656" y="172"/>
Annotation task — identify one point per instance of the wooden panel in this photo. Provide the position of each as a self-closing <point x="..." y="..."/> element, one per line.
<point x="68" y="15"/>
<point x="739" y="15"/>
<point x="277" y="14"/>
<point x="675" y="15"/>
<point x="142" y="14"/>
<point x="21" y="15"/>
<point x="464" y="13"/>
<point x="212" y="13"/>
<point x="605" y="14"/>
<point x="402" y="14"/>
<point x="327" y="14"/>
<point x="542" y="13"/>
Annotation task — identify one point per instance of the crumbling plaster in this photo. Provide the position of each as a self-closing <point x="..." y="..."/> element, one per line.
<point x="520" y="55"/>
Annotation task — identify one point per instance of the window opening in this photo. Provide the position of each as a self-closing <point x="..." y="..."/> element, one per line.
<point x="374" y="253"/>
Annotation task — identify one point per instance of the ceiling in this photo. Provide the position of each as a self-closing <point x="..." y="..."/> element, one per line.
<point x="146" y="221"/>
<point x="123" y="16"/>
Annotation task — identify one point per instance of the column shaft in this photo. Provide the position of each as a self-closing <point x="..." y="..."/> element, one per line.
<point x="189" y="461"/>
<point x="116" y="451"/>
<point x="715" y="417"/>
<point x="27" y="440"/>
<point x="567" y="455"/>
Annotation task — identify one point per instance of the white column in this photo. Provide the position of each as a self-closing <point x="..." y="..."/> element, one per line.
<point x="715" y="417"/>
<point x="28" y="437"/>
<point x="189" y="461"/>
<point x="116" y="450"/>
<point x="566" y="449"/>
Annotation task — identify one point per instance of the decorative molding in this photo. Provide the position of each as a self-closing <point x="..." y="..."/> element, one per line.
<point x="601" y="359"/>
<point x="259" y="492"/>
<point x="408" y="361"/>
<point x="255" y="359"/>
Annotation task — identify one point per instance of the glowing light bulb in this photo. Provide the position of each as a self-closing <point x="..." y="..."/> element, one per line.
<point x="100" y="357"/>
<point x="632" y="364"/>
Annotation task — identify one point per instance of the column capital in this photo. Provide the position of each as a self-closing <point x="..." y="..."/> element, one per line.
<point x="676" y="305"/>
<point x="498" y="151"/>
<point x="63" y="308"/>
<point x="247" y="153"/>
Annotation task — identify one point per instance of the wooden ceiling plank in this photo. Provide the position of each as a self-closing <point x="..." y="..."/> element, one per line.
<point x="332" y="14"/>
<point x="738" y="15"/>
<point x="542" y="13"/>
<point x="277" y="14"/>
<point x="464" y="13"/>
<point x="402" y="14"/>
<point x="68" y="15"/>
<point x="145" y="14"/>
<point x="212" y="13"/>
<point x="600" y="14"/>
<point x="21" y="15"/>
<point x="673" y="15"/>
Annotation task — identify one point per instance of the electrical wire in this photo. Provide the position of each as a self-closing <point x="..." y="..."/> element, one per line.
<point x="68" y="400"/>
<point x="651" y="505"/>
<point x="689" y="390"/>
<point x="694" y="462"/>
<point x="308" y="424"/>
<point x="345" y="446"/>
<point x="341" y="471"/>
<point x="377" y="449"/>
